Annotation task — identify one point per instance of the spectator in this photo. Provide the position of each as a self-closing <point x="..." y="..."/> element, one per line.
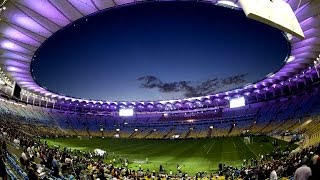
<point x="32" y="172"/>
<point x="273" y="175"/>
<point x="303" y="172"/>
<point x="55" y="165"/>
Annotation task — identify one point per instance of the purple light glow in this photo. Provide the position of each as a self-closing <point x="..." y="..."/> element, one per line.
<point x="8" y="45"/>
<point x="88" y="9"/>
<point x="28" y="23"/>
<point x="16" y="69"/>
<point x="16" y="64"/>
<point x="120" y="2"/>
<point x="17" y="35"/>
<point x="14" y="47"/>
<point x="47" y="10"/>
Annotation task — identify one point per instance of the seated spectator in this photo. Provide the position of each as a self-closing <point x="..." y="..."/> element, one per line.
<point x="32" y="172"/>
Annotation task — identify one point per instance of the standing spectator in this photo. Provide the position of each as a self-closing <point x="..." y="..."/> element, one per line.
<point x="273" y="175"/>
<point x="24" y="158"/>
<point x="303" y="172"/>
<point x="4" y="146"/>
<point x="55" y="165"/>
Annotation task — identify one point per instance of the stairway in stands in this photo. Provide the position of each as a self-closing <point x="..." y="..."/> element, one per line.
<point x="231" y="128"/>
<point x="189" y="132"/>
<point x="209" y="133"/>
<point x="132" y="134"/>
<point x="169" y="132"/>
<point x="87" y="129"/>
<point x="69" y="127"/>
<point x="148" y="134"/>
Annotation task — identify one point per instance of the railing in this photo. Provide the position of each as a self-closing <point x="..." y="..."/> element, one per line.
<point x="14" y="165"/>
<point x="11" y="174"/>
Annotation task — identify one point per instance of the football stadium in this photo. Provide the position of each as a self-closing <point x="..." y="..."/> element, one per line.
<point x="258" y="122"/>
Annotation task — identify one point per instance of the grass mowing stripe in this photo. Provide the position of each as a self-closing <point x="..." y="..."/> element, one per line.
<point x="210" y="147"/>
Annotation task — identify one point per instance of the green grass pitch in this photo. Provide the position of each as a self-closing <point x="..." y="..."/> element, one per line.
<point x="192" y="155"/>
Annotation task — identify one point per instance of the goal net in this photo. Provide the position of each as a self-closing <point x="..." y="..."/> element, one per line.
<point x="247" y="140"/>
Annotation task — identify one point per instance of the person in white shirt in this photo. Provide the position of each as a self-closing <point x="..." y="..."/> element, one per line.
<point x="29" y="150"/>
<point x="24" y="156"/>
<point x="303" y="172"/>
<point x="273" y="175"/>
<point x="16" y="143"/>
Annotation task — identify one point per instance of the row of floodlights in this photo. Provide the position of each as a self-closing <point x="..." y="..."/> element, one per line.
<point x="317" y="61"/>
<point x="4" y="78"/>
<point x="27" y="93"/>
<point x="210" y="127"/>
<point x="10" y="102"/>
<point x="2" y="7"/>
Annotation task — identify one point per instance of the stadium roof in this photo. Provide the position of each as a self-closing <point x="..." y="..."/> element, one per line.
<point x="26" y="24"/>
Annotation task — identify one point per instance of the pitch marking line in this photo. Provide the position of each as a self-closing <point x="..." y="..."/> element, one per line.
<point x="210" y="147"/>
<point x="251" y="150"/>
<point x="234" y="145"/>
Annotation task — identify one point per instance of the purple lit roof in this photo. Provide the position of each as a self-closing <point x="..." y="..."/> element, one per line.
<point x="26" y="24"/>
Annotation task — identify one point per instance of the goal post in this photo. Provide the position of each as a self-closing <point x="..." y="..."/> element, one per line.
<point x="247" y="140"/>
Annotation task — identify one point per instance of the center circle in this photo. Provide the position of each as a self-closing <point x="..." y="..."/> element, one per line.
<point x="156" y="51"/>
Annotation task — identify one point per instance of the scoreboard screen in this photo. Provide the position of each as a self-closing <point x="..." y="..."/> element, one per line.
<point x="125" y="112"/>
<point x="237" y="102"/>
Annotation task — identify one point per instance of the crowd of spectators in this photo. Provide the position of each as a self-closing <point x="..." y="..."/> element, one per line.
<point x="39" y="160"/>
<point x="304" y="165"/>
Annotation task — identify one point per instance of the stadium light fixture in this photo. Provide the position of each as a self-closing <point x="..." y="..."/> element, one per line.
<point x="270" y="75"/>
<point x="316" y="64"/>
<point x="227" y="4"/>
<point x="291" y="58"/>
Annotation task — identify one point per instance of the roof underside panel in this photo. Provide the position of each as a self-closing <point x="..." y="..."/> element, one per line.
<point x="104" y="4"/>
<point x="44" y="9"/>
<point x="85" y="7"/>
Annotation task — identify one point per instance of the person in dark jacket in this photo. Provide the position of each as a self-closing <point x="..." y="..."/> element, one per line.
<point x="3" y="172"/>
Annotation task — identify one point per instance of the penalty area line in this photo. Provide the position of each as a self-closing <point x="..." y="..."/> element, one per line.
<point x="210" y="147"/>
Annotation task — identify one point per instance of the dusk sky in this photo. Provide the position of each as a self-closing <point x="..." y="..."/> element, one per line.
<point x="157" y="51"/>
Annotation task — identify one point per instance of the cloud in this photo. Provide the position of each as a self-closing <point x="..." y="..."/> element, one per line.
<point x="237" y="79"/>
<point x="192" y="89"/>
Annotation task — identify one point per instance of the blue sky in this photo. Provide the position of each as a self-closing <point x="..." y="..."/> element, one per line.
<point x="103" y="57"/>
